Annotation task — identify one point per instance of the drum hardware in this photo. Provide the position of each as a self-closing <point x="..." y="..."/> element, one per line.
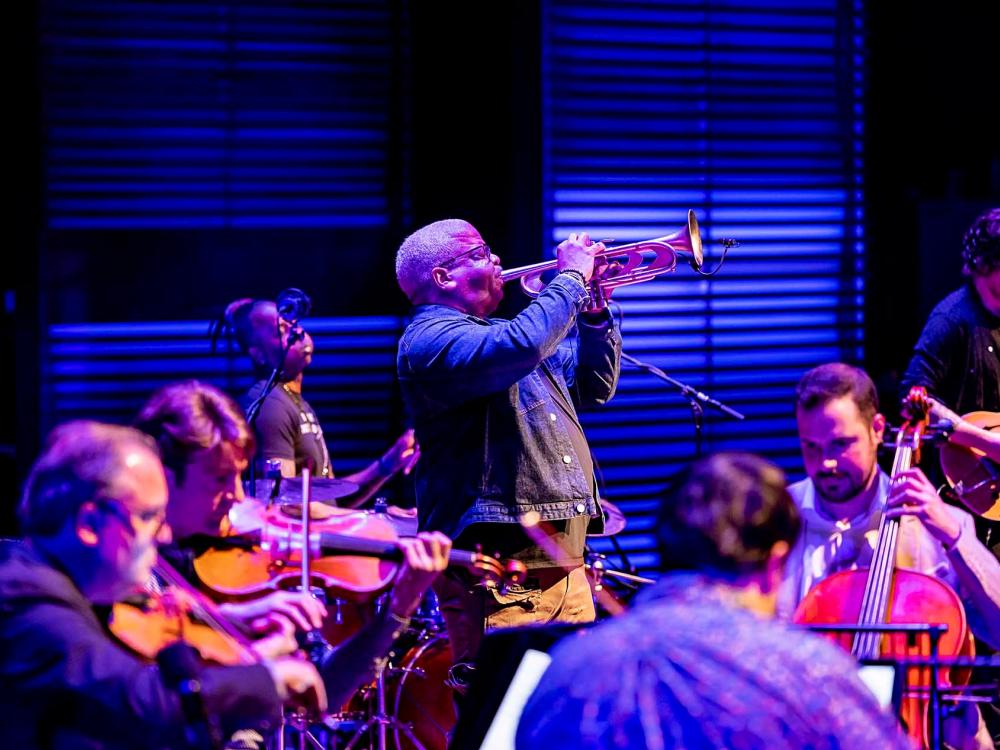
<point x="313" y="642"/>
<point x="596" y="566"/>
<point x="411" y="696"/>
<point x="380" y="719"/>
<point x="427" y="619"/>
<point x="614" y="519"/>
<point x="335" y="610"/>
<point x="460" y="676"/>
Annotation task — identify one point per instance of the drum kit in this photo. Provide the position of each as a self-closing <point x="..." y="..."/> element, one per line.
<point x="410" y="705"/>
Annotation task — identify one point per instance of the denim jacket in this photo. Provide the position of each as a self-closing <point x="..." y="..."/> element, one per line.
<point x="490" y="441"/>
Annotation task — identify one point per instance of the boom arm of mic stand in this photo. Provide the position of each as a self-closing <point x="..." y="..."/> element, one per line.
<point x="695" y="396"/>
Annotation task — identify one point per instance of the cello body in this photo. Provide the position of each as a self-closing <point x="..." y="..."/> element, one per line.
<point x="916" y="598"/>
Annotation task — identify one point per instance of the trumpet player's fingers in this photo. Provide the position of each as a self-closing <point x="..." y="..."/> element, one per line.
<point x="607" y="269"/>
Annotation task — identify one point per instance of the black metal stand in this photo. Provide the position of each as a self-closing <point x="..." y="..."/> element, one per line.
<point x="381" y="720"/>
<point x="697" y="399"/>
<point x="934" y="693"/>
<point x="253" y="411"/>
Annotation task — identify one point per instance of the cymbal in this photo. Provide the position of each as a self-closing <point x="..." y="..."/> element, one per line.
<point x="403" y="520"/>
<point x="322" y="490"/>
<point x="614" y="519"/>
<point x="252" y="514"/>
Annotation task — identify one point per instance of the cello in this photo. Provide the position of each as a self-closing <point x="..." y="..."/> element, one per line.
<point x="884" y="594"/>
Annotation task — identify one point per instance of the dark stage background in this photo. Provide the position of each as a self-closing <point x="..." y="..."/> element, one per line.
<point x="422" y="110"/>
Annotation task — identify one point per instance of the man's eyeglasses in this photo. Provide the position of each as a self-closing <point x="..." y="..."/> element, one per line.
<point x="118" y="510"/>
<point x="477" y="253"/>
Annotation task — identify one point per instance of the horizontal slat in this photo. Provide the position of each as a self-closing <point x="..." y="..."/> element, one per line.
<point x="107" y="371"/>
<point x="241" y="114"/>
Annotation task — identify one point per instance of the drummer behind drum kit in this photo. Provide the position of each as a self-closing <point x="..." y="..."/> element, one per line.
<point x="411" y="703"/>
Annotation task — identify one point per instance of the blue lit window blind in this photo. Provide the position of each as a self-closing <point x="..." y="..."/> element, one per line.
<point x="750" y="113"/>
<point x="107" y="371"/>
<point x="231" y="114"/>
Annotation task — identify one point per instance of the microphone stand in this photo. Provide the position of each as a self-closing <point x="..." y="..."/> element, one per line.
<point x="253" y="411"/>
<point x="696" y="399"/>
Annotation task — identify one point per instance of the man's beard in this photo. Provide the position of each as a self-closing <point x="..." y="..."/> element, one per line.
<point x="845" y="489"/>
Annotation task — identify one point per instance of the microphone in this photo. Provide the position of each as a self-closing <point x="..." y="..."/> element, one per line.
<point x="293" y="304"/>
<point x="296" y="333"/>
<point x="180" y="668"/>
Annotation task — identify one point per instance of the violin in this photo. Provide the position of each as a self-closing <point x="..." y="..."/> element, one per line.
<point x="974" y="478"/>
<point x="882" y="594"/>
<point x="179" y="613"/>
<point x="354" y="556"/>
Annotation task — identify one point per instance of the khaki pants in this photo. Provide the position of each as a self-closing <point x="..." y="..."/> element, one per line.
<point x="547" y="595"/>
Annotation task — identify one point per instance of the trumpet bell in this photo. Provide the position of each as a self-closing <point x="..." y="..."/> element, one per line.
<point x="693" y="241"/>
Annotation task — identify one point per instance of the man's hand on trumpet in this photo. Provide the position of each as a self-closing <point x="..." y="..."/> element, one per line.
<point x="577" y="254"/>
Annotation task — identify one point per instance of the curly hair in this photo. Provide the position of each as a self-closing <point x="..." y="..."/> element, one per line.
<point x="724" y="514"/>
<point x="981" y="244"/>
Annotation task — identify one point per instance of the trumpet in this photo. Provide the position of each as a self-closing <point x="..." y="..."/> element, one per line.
<point x="626" y="264"/>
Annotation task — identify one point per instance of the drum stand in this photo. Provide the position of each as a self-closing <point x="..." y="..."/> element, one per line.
<point x="314" y="641"/>
<point x="300" y="725"/>
<point x="597" y="569"/>
<point x="381" y="719"/>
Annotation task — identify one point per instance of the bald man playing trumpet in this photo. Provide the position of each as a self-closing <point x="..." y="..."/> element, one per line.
<point x="495" y="407"/>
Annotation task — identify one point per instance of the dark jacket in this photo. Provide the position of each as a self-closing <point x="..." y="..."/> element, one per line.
<point x="958" y="355"/>
<point x="64" y="683"/>
<point x="491" y="445"/>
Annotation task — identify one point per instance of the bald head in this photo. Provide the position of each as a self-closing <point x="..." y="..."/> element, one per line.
<point x="427" y="248"/>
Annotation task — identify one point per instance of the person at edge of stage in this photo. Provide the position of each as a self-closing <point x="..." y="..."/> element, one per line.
<point x="494" y="404"/>
<point x="840" y="429"/>
<point x="957" y="357"/>
<point x="699" y="662"/>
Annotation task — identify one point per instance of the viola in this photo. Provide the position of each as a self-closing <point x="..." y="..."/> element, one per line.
<point x="974" y="479"/>
<point x="882" y="594"/>
<point x="179" y="613"/>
